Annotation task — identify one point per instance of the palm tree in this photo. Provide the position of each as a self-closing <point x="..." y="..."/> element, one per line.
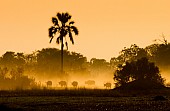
<point x="63" y="26"/>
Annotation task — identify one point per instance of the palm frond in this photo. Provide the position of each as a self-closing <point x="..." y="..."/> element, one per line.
<point x="55" y="21"/>
<point x="71" y="37"/>
<point x="58" y="39"/>
<point x="59" y="15"/>
<point x="72" y="22"/>
<point x="55" y="30"/>
<point x="66" y="45"/>
<point x="75" y="30"/>
<point x="64" y="19"/>
<point x="52" y="31"/>
<point x="67" y="15"/>
<point x="51" y="39"/>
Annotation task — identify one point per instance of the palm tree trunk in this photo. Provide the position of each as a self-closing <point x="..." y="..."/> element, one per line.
<point x="62" y="55"/>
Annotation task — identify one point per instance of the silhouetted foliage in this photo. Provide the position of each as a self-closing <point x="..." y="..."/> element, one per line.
<point x="142" y="71"/>
<point x="159" y="53"/>
<point x="48" y="63"/>
<point x="128" y="54"/>
<point x="99" y="67"/>
<point x="14" y="79"/>
<point x="12" y="67"/>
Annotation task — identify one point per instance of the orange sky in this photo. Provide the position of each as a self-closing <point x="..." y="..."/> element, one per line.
<point x="106" y="26"/>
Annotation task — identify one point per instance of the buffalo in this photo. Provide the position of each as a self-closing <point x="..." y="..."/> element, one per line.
<point x="63" y="83"/>
<point x="75" y="84"/>
<point x="107" y="85"/>
<point x="49" y="83"/>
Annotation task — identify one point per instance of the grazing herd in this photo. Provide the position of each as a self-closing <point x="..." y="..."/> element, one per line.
<point x="75" y="84"/>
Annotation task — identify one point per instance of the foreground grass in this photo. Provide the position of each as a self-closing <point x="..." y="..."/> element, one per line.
<point x="83" y="103"/>
<point x="83" y="100"/>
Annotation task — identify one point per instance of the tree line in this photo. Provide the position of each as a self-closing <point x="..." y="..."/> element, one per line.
<point x="139" y="67"/>
<point x="46" y="63"/>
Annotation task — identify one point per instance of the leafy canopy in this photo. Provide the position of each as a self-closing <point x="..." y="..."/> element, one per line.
<point x="140" y="70"/>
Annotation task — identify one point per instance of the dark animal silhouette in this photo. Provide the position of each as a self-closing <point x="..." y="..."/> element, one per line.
<point x="75" y="84"/>
<point x="63" y="83"/>
<point x="90" y="82"/>
<point x="108" y="85"/>
<point x="49" y="83"/>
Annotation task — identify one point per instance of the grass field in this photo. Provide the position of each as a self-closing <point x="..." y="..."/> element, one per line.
<point x="83" y="100"/>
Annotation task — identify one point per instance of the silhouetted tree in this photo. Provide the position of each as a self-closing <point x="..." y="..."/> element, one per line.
<point x="48" y="62"/>
<point x="63" y="28"/>
<point x="128" y="54"/>
<point x="75" y="62"/>
<point x="20" y="58"/>
<point x="31" y="63"/>
<point x="140" y="70"/>
<point x="14" y="79"/>
<point x="12" y="60"/>
<point x="163" y="41"/>
<point x="3" y="72"/>
<point x="133" y="53"/>
<point x="99" y="66"/>
<point x="159" y="53"/>
<point x="8" y="60"/>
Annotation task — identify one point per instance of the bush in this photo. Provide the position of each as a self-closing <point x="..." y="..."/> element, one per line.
<point x="140" y="74"/>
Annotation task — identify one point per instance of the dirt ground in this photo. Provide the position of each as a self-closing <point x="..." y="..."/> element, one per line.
<point x="66" y="103"/>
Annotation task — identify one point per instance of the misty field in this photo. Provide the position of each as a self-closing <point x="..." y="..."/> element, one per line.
<point x="80" y="100"/>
